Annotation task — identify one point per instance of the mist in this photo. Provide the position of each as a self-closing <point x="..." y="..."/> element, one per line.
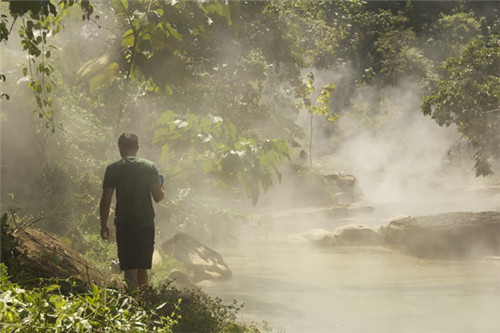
<point x="400" y="156"/>
<point x="403" y="163"/>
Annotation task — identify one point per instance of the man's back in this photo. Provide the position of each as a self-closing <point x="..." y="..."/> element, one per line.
<point x="132" y="178"/>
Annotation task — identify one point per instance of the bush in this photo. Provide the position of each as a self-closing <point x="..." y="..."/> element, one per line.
<point x="158" y="309"/>
<point x="99" y="310"/>
<point x="198" y="312"/>
<point x="10" y="247"/>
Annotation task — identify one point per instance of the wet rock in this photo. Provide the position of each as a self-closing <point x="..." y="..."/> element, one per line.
<point x="114" y="266"/>
<point x="180" y="279"/>
<point x="348" y="235"/>
<point x="335" y="211"/>
<point x="341" y="182"/>
<point x="357" y="235"/>
<point x="397" y="218"/>
<point x="344" y="188"/>
<point x="358" y="209"/>
<point x="460" y="235"/>
<point x="319" y="237"/>
<point x="200" y="261"/>
<point x="347" y="210"/>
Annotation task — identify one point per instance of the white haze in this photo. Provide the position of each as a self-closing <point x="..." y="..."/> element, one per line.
<point x="399" y="155"/>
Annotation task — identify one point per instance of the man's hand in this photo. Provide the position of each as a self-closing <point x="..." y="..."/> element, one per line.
<point x="104" y="232"/>
<point x="158" y="192"/>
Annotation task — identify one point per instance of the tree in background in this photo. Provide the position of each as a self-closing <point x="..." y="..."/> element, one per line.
<point x="468" y="96"/>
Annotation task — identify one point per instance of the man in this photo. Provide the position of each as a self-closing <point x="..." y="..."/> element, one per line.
<point x="136" y="180"/>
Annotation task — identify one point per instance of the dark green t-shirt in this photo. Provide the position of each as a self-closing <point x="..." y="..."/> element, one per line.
<point x="132" y="178"/>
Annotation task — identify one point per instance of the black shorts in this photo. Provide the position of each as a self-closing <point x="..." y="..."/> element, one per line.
<point x="135" y="246"/>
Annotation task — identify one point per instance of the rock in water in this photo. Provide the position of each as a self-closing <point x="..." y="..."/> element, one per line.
<point x="461" y="235"/>
<point x="200" y="261"/>
<point x="319" y="237"/>
<point x="357" y="235"/>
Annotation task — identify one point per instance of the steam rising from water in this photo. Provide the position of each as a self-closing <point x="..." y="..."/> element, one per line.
<point x="396" y="154"/>
<point x="403" y="161"/>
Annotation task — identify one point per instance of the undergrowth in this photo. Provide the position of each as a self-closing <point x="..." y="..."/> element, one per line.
<point x="48" y="309"/>
<point x="199" y="312"/>
<point x="51" y="308"/>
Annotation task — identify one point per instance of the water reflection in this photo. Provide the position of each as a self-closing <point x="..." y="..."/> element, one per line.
<point x="302" y="288"/>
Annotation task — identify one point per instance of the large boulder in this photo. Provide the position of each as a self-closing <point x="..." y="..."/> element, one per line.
<point x="200" y="261"/>
<point x="459" y="235"/>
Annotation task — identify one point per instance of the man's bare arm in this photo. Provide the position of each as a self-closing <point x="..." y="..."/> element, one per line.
<point x="158" y="192"/>
<point x="104" y="208"/>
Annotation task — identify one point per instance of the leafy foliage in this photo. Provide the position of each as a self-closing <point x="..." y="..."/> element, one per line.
<point x="211" y="219"/>
<point x="100" y="310"/>
<point x="39" y="19"/>
<point x="160" y="309"/>
<point x="215" y="147"/>
<point x="198" y="312"/>
<point x="453" y="32"/>
<point x="468" y="96"/>
<point x="9" y="244"/>
<point x="316" y="103"/>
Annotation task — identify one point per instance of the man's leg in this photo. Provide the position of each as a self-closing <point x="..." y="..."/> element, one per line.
<point x="142" y="277"/>
<point x="131" y="279"/>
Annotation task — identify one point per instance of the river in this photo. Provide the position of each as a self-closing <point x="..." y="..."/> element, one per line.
<point x="305" y="288"/>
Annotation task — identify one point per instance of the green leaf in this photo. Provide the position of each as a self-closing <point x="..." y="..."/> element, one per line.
<point x="124" y="4"/>
<point x="219" y="8"/>
<point x="128" y="38"/>
<point x="105" y="77"/>
<point x="174" y="32"/>
<point x="167" y="117"/>
<point x="51" y="288"/>
<point x="206" y="124"/>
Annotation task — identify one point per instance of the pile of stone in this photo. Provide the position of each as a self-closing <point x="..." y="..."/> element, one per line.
<point x="459" y="235"/>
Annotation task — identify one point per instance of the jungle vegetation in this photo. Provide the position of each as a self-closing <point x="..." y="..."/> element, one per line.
<point x="214" y="89"/>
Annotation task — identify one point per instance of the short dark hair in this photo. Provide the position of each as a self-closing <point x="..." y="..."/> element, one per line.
<point x="128" y="141"/>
